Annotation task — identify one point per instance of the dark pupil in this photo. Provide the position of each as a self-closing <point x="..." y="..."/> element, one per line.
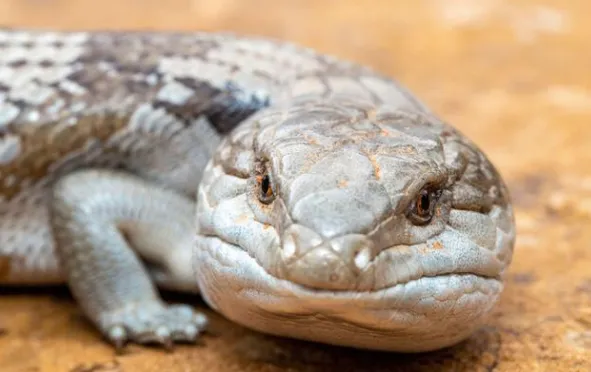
<point x="265" y="185"/>
<point x="425" y="202"/>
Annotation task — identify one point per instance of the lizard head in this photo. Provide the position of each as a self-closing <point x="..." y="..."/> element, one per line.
<point x="354" y="224"/>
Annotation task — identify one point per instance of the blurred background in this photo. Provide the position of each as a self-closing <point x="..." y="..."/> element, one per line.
<point x="513" y="75"/>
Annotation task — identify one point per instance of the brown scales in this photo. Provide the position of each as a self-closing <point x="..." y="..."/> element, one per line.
<point x="51" y="142"/>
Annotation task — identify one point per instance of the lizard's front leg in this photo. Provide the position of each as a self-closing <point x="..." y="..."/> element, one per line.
<point x="92" y="213"/>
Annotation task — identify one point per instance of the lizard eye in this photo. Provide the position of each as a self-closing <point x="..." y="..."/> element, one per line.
<point x="423" y="206"/>
<point x="266" y="193"/>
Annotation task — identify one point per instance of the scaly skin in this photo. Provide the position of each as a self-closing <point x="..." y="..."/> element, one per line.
<point x="301" y="195"/>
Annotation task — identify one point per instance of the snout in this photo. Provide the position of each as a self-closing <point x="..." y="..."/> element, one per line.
<point x="335" y="263"/>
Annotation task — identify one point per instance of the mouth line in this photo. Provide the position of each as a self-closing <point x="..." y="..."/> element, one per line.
<point x="387" y="288"/>
<point x="358" y="292"/>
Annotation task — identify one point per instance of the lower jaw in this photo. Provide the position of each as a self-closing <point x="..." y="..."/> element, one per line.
<point x="422" y="315"/>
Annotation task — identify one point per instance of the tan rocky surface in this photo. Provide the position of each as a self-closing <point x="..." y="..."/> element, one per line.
<point x="514" y="75"/>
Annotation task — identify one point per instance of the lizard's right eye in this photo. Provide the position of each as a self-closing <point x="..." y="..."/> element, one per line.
<point x="266" y="193"/>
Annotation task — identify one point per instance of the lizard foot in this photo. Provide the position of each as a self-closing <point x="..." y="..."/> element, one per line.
<point x="153" y="323"/>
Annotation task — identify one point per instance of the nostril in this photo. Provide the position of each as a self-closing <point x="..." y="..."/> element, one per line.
<point x="363" y="258"/>
<point x="289" y="246"/>
<point x="355" y="249"/>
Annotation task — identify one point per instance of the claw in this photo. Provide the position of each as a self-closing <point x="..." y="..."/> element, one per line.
<point x="118" y="336"/>
<point x="163" y="337"/>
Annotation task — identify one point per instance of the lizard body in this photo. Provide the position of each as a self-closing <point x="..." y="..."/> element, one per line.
<point x="288" y="188"/>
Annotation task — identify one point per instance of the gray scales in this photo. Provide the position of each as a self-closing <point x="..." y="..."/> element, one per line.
<point x="300" y="195"/>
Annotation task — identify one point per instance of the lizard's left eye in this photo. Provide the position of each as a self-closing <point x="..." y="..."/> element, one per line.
<point x="423" y="206"/>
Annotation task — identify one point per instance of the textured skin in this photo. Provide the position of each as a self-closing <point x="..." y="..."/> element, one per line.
<point x="107" y="139"/>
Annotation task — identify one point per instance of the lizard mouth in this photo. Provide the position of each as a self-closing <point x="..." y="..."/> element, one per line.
<point x="324" y="269"/>
<point x="350" y="264"/>
<point x="470" y="275"/>
<point x="355" y="262"/>
<point x="420" y="314"/>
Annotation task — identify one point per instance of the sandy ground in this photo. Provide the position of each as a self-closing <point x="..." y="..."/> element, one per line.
<point x="513" y="75"/>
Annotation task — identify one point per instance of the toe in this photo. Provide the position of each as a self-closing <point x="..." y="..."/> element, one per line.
<point x="200" y="320"/>
<point x="155" y="325"/>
